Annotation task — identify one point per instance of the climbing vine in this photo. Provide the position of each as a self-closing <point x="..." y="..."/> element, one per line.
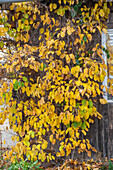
<point x="52" y="72"/>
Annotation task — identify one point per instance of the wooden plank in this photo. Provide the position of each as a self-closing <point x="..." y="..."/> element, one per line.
<point x="110" y="131"/>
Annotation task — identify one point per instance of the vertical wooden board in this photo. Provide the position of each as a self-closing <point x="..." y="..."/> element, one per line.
<point x="98" y="133"/>
<point x="110" y="130"/>
<point x="103" y="130"/>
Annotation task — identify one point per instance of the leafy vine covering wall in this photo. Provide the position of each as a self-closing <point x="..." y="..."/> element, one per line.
<point x="54" y="73"/>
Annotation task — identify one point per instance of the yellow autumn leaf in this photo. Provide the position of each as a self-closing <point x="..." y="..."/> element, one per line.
<point x="82" y="146"/>
<point x="103" y="101"/>
<point x="110" y="3"/>
<point x="64" y="1"/>
<point x="34" y="17"/>
<point x="41" y="30"/>
<point x="51" y="6"/>
<point x="54" y="6"/>
<point x="62" y="34"/>
<point x="44" y="145"/>
<point x="96" y="6"/>
<point x="76" y="41"/>
<point x="84" y="132"/>
<point x="77" y="118"/>
<point x="67" y="59"/>
<point x="77" y="134"/>
<point x="104" y="30"/>
<point x="12" y="7"/>
<point x="51" y="138"/>
<point x="13" y="18"/>
<point x="4" y="142"/>
<point x="86" y="116"/>
<point x="102" y="77"/>
<point x="89" y="153"/>
<point x="70" y="30"/>
<point x="89" y="37"/>
<point x="101" y="12"/>
<point x="38" y="146"/>
<point x="26" y="142"/>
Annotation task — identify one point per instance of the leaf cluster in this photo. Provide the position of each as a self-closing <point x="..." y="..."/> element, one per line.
<point x="56" y="75"/>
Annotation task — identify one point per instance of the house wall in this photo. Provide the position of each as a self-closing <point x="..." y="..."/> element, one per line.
<point x="101" y="132"/>
<point x="108" y="113"/>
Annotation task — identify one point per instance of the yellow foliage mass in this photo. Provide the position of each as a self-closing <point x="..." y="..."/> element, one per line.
<point x="52" y="77"/>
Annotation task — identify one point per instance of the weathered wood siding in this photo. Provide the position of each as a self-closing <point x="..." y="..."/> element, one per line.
<point x="101" y="132"/>
<point x="110" y="130"/>
<point x="109" y="111"/>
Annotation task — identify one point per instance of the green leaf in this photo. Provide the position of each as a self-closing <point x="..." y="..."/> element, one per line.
<point x="41" y="68"/>
<point x="77" y="62"/>
<point x="7" y="24"/>
<point x="15" y="85"/>
<point x="4" y="95"/>
<point x="68" y="125"/>
<point x="19" y="84"/>
<point x="24" y="78"/>
<point x="108" y="56"/>
<point x="85" y="38"/>
<point x="104" y="49"/>
<point x="1" y="44"/>
<point x="25" y="16"/>
<point x="79" y="124"/>
<point x="58" y="12"/>
<point x="44" y="65"/>
<point x="51" y="35"/>
<point x="107" y="52"/>
<point x="90" y="103"/>
<point x="61" y="11"/>
<point x="80" y="12"/>
<point x="83" y="126"/>
<point x="75" y="124"/>
<point x="81" y="42"/>
<point x="110" y="165"/>
<point x="84" y="102"/>
<point x="22" y="84"/>
<point x="82" y="112"/>
<point x="76" y="8"/>
<point x="64" y="102"/>
<point x="28" y="27"/>
<point x="80" y="3"/>
<point x="33" y="164"/>
<point x="23" y="19"/>
<point x="73" y="13"/>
